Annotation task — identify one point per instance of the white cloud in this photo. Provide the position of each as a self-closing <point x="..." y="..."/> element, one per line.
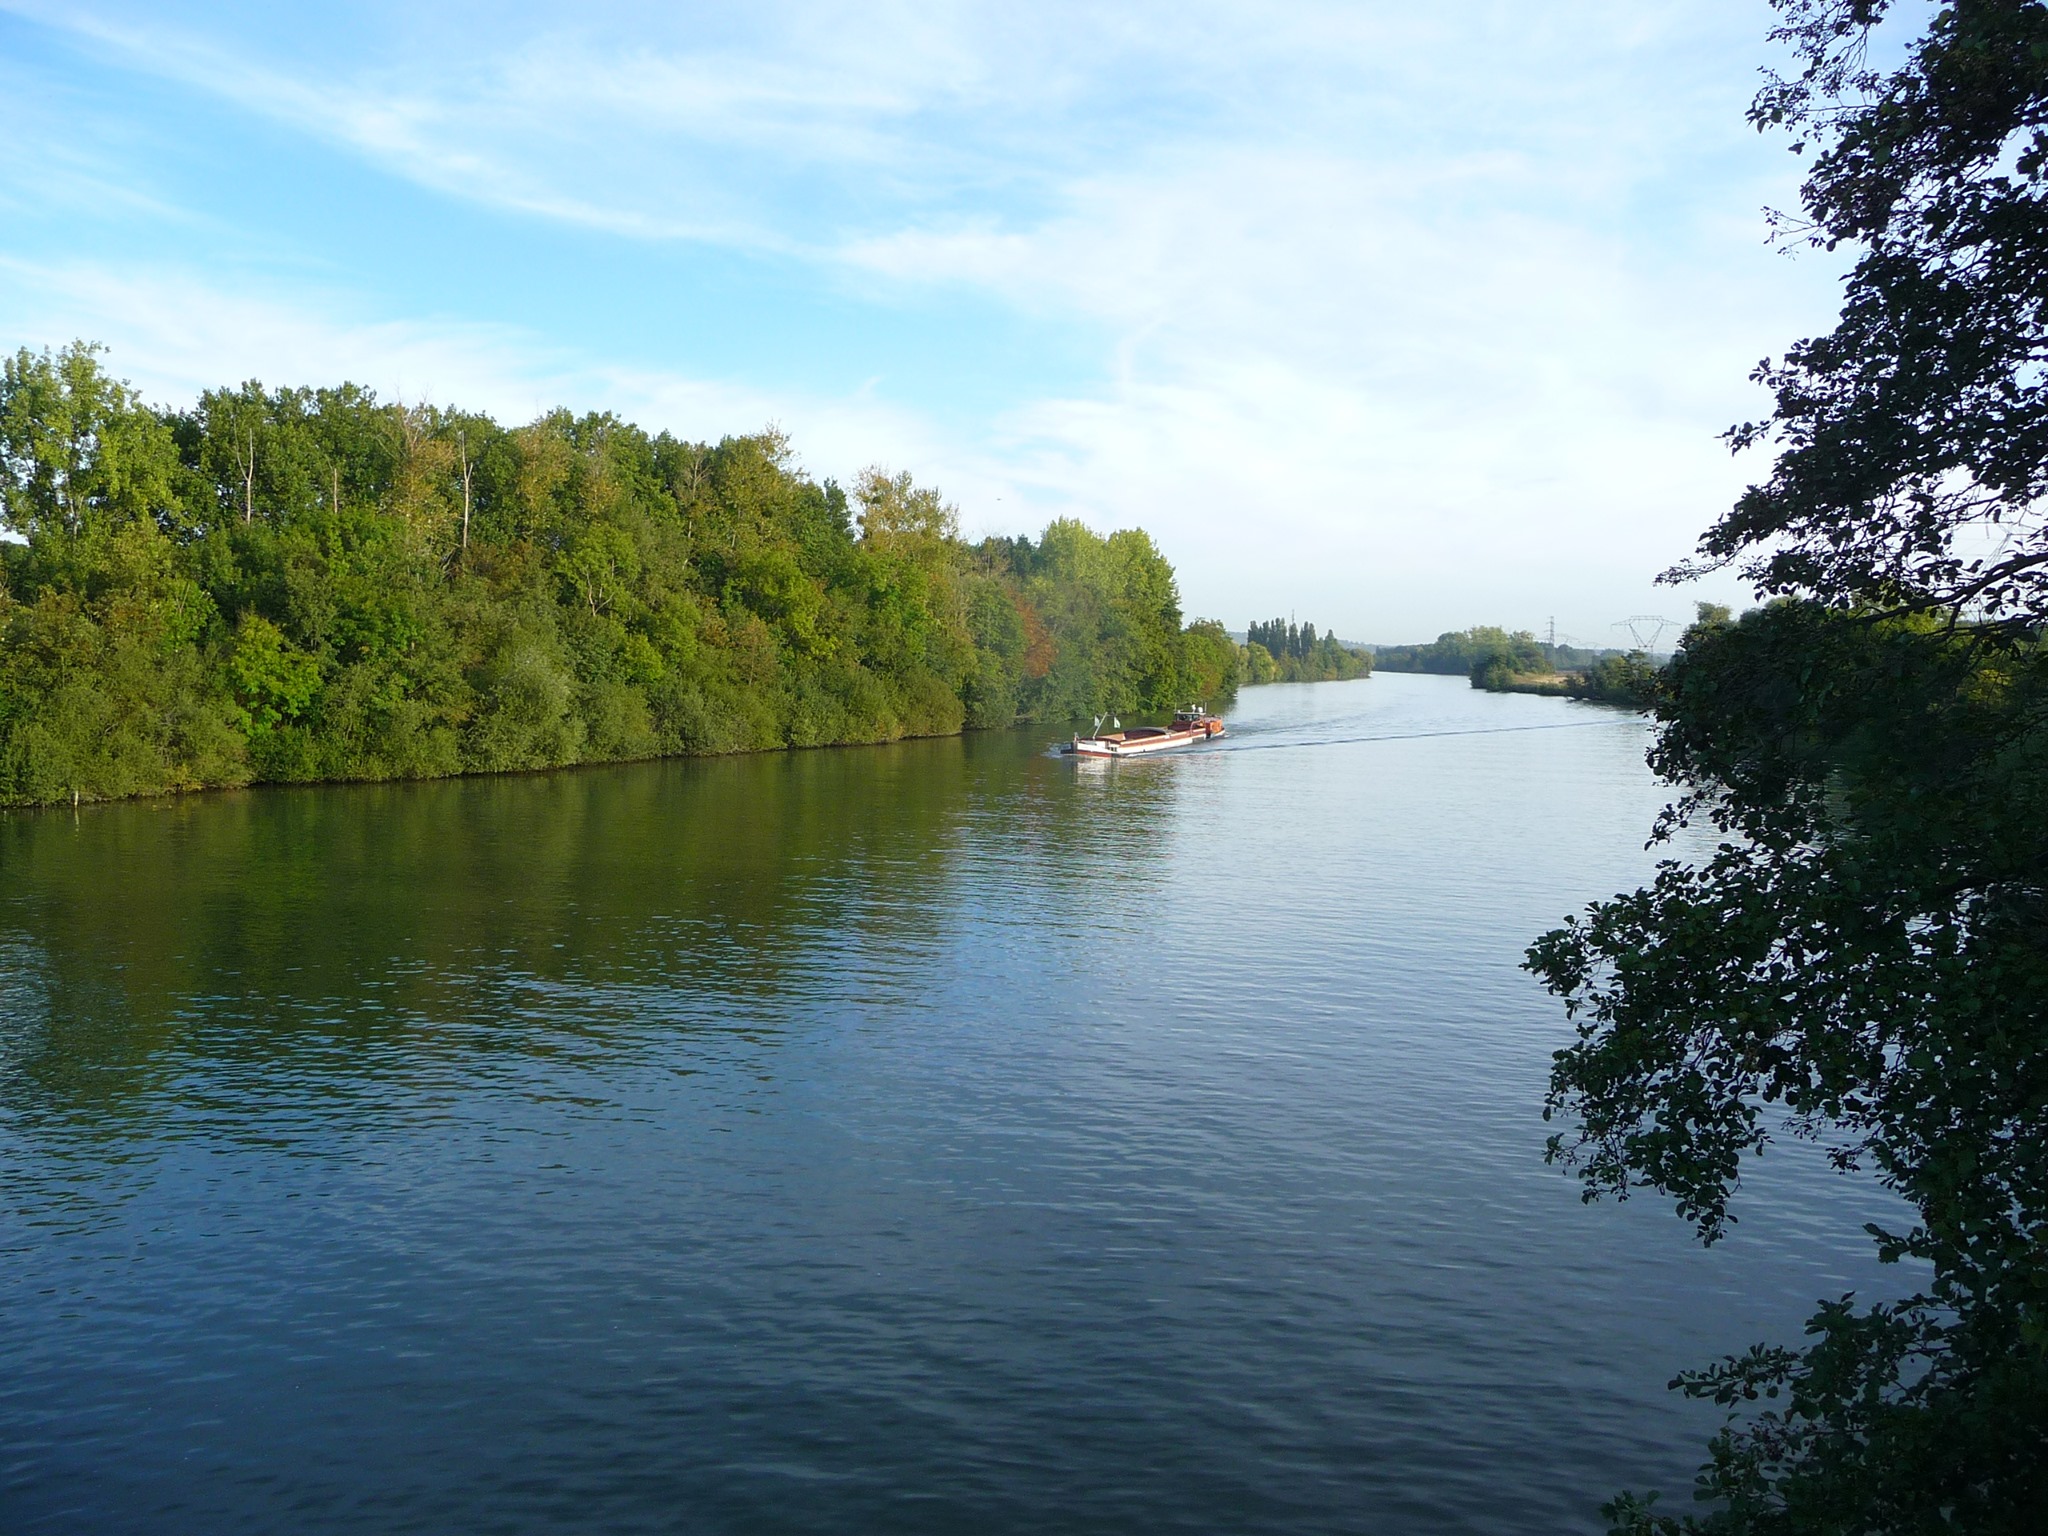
<point x="175" y="334"/>
<point x="1408" y="317"/>
<point x="677" y="122"/>
<point x="1340" y="393"/>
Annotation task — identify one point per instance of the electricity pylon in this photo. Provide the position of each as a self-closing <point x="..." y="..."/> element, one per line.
<point x="1646" y="629"/>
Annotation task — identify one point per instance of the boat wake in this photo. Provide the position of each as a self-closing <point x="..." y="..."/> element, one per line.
<point x="1345" y="741"/>
<point x="1060" y="749"/>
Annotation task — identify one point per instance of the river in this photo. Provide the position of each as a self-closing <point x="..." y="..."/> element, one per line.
<point x="939" y="1137"/>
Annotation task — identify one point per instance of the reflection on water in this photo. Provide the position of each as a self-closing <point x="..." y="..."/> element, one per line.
<point x="933" y="1137"/>
<point x="359" y="929"/>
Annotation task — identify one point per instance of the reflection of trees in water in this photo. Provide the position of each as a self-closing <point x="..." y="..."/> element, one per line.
<point x="176" y="953"/>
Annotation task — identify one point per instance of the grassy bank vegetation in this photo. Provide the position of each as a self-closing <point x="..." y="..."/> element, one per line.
<point x="301" y="584"/>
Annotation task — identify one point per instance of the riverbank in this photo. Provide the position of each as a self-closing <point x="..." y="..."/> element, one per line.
<point x="1625" y="682"/>
<point x="309" y="585"/>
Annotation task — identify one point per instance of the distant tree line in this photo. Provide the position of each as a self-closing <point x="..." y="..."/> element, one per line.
<point x="1454" y="653"/>
<point x="1278" y="651"/>
<point x="1281" y="637"/>
<point x="1515" y="661"/>
<point x="298" y="584"/>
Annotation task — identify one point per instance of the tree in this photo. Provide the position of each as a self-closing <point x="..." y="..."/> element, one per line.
<point x="1280" y="651"/>
<point x="76" y="445"/>
<point x="1212" y="666"/>
<point x="1863" y="960"/>
<point x="292" y="584"/>
<point x="1913" y="457"/>
<point x="894" y="510"/>
<point x="1498" y="659"/>
<point x="236" y="431"/>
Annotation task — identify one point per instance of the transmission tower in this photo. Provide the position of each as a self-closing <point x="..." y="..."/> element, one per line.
<point x="1646" y="629"/>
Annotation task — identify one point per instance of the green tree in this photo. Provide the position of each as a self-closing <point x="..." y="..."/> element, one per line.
<point x="294" y="583"/>
<point x="1628" y="680"/>
<point x="273" y="682"/>
<point x="1279" y="651"/>
<point x="76" y="445"/>
<point x="1212" y="665"/>
<point x="1863" y="960"/>
<point x="1460" y="652"/>
<point x="1499" y="659"/>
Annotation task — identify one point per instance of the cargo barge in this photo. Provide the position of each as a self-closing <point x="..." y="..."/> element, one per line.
<point x="1191" y="725"/>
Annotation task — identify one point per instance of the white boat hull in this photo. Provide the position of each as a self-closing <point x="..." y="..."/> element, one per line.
<point x="1142" y="746"/>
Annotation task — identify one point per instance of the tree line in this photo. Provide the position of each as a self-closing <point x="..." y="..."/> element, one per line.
<point x="279" y="584"/>
<point x="1279" y="651"/>
<point x="1515" y="661"/>
<point x="1456" y="653"/>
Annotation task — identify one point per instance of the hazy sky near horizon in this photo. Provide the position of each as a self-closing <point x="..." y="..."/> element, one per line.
<point x="1400" y="318"/>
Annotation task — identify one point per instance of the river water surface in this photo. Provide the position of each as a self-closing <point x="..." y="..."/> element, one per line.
<point x="929" y="1138"/>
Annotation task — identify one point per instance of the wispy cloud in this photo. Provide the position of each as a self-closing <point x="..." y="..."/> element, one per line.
<point x="1446" y="384"/>
<point x="669" y="122"/>
<point x="181" y="333"/>
<point x="1447" y="303"/>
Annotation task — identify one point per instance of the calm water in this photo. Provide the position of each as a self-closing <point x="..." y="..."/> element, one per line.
<point x="938" y="1137"/>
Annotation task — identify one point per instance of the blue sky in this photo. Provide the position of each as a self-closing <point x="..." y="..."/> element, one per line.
<point x="1396" y="317"/>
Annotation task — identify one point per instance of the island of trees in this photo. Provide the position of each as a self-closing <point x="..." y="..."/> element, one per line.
<point x="300" y="584"/>
<point x="1279" y="651"/>
<point x="1504" y="661"/>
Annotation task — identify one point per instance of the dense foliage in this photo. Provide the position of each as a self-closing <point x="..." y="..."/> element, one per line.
<point x="1278" y="651"/>
<point x="1914" y="456"/>
<point x="1504" y="661"/>
<point x="1456" y="652"/>
<point x="1628" y="679"/>
<point x="1864" y="957"/>
<point x="302" y="584"/>
<point x="1463" y="652"/>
